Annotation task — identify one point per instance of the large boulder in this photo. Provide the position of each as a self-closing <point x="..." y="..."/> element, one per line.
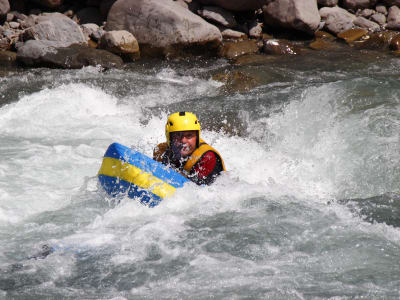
<point x="49" y="3"/>
<point x="294" y="14"/>
<point x="236" y="5"/>
<point x="59" y="55"/>
<point x="355" y="4"/>
<point x="56" y="27"/>
<point x="393" y="20"/>
<point x="162" y="25"/>
<point x="336" y="19"/>
<point x="4" y="8"/>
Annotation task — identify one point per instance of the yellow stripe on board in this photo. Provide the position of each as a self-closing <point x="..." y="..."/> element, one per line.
<point x="115" y="168"/>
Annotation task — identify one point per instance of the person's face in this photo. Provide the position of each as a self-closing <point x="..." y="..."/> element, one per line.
<point x="186" y="141"/>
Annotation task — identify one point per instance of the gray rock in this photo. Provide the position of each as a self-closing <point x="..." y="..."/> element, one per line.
<point x="393" y="20"/>
<point x="55" y="28"/>
<point x="49" y="3"/>
<point x="4" y="8"/>
<point x="232" y="34"/>
<point x="122" y="43"/>
<point x="10" y="17"/>
<point x="328" y="2"/>
<point x="336" y="19"/>
<point x="366" y="13"/>
<point x="162" y="25"/>
<point x="379" y="18"/>
<point x="218" y="15"/>
<point x="294" y="14"/>
<point x="355" y="4"/>
<point x="28" y="22"/>
<point x="367" y="24"/>
<point x="14" y="25"/>
<point x="89" y="29"/>
<point x="58" y="55"/>
<point x="236" y="5"/>
<point x="90" y="15"/>
<point x="381" y="9"/>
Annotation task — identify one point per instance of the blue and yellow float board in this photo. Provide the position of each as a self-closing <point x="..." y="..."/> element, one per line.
<point x="126" y="171"/>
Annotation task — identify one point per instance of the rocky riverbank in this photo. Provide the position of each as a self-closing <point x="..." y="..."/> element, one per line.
<point x="73" y="34"/>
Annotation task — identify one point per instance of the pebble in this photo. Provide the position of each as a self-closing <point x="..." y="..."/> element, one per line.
<point x="14" y="25"/>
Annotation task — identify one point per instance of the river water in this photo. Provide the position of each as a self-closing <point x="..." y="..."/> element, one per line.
<point x="308" y="209"/>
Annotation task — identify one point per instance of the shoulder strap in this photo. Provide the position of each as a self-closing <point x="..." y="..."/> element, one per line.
<point x="198" y="154"/>
<point x="159" y="150"/>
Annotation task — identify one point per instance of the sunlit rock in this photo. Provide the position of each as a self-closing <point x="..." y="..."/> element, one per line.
<point x="218" y="15"/>
<point x="231" y="50"/>
<point x="352" y="35"/>
<point x="395" y="43"/>
<point x="375" y="41"/>
<point x="336" y="19"/>
<point x="280" y="47"/>
<point x="300" y="15"/>
<point x="122" y="43"/>
<point x="4" y="8"/>
<point x="379" y="18"/>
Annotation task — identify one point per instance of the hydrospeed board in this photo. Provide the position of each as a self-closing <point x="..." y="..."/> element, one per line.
<point x="138" y="176"/>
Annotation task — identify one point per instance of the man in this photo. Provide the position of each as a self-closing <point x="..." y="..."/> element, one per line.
<point x="186" y="152"/>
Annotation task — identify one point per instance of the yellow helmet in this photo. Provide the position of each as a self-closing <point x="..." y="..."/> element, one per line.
<point x="182" y="121"/>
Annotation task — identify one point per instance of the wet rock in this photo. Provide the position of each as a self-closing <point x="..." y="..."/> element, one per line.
<point x="4" y="44"/>
<point x="365" y="23"/>
<point x="49" y="3"/>
<point x="322" y="44"/>
<point x="328" y="2"/>
<point x="393" y="20"/>
<point x="381" y="9"/>
<point x="336" y="19"/>
<point x="253" y="59"/>
<point x="52" y="27"/>
<point x="122" y="43"/>
<point x="379" y="18"/>
<point x="218" y="15"/>
<point x="236" y="81"/>
<point x="4" y="8"/>
<point x="376" y="41"/>
<point x="90" y="15"/>
<point x="355" y="4"/>
<point x="255" y="29"/>
<point x="231" y="50"/>
<point x="395" y="43"/>
<point x="300" y="15"/>
<point x="352" y="35"/>
<point x="280" y="47"/>
<point x="324" y="35"/>
<point x="160" y="26"/>
<point x="52" y="54"/>
<point x="229" y="34"/>
<point x="236" y="5"/>
<point x="8" y="58"/>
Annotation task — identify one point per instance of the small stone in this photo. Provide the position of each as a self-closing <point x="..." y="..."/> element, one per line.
<point x="367" y="12"/>
<point x="14" y="25"/>
<point x="395" y="43"/>
<point x="69" y="13"/>
<point x="352" y="35"/>
<point x="255" y="29"/>
<point x="232" y="34"/>
<point x="379" y="18"/>
<point x="365" y="23"/>
<point x="381" y="9"/>
<point x="10" y="17"/>
<point x="279" y="47"/>
<point x="324" y="35"/>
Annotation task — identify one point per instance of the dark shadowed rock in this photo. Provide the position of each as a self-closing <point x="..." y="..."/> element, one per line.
<point x="236" y="81"/>
<point x="218" y="15"/>
<point x="53" y="27"/>
<point x="393" y="20"/>
<point x="4" y="8"/>
<point x="365" y="23"/>
<point x="355" y="4"/>
<point x="231" y="50"/>
<point x="8" y="58"/>
<point x="53" y="54"/>
<point x="162" y="25"/>
<point x="323" y="44"/>
<point x="90" y="15"/>
<point x="324" y="35"/>
<point x="253" y="59"/>
<point x="336" y="19"/>
<point x="392" y="2"/>
<point x="49" y="3"/>
<point x="105" y="6"/>
<point x="300" y="15"/>
<point x="122" y="43"/>
<point x="328" y="2"/>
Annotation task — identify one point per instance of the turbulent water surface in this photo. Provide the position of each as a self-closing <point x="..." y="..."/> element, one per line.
<point x="308" y="209"/>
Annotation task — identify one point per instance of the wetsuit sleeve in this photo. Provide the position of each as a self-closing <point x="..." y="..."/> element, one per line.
<point x="203" y="170"/>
